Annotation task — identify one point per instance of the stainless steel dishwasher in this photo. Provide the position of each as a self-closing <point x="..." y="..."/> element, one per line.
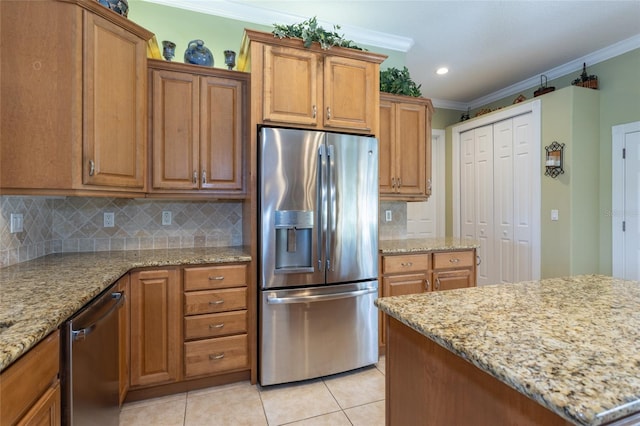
<point x="90" y="357"/>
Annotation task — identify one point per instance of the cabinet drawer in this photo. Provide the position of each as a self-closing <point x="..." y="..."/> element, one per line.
<point x="204" y="302"/>
<point x="216" y="355"/>
<point x="214" y="325"/>
<point x="210" y="277"/>
<point x="405" y="263"/>
<point x="453" y="259"/>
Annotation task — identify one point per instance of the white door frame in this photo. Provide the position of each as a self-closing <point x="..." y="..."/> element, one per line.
<point x="617" y="194"/>
<point x="533" y="107"/>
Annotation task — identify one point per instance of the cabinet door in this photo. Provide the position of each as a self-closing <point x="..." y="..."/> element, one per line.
<point x="386" y="147"/>
<point x="350" y="93"/>
<point x="448" y="280"/>
<point x="411" y="147"/>
<point x="123" y="338"/>
<point x="290" y="86"/>
<point x="221" y="133"/>
<point x="175" y="127"/>
<point x="155" y="327"/>
<point x="114" y="103"/>
<point x="397" y="286"/>
<point x="45" y="412"/>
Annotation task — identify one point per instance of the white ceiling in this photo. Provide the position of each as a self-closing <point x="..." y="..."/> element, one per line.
<point x="493" y="49"/>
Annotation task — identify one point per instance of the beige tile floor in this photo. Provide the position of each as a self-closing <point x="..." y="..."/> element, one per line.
<point x="352" y="398"/>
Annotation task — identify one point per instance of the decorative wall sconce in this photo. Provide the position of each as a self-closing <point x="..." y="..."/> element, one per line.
<point x="554" y="161"/>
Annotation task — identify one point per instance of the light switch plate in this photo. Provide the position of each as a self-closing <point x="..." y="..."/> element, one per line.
<point x="554" y="214"/>
<point x="387" y="216"/>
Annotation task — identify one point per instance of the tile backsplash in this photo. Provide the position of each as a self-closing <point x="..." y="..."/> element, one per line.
<point x="397" y="228"/>
<point x="75" y="224"/>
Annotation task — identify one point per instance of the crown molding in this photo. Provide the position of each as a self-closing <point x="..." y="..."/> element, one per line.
<point x="261" y="16"/>
<point x="596" y="57"/>
<point x="445" y="104"/>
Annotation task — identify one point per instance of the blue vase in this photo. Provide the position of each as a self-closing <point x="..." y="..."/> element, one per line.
<point x="197" y="54"/>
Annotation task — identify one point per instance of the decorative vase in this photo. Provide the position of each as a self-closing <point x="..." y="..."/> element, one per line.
<point x="121" y="7"/>
<point x="197" y="54"/>
<point x="168" y="49"/>
<point x="230" y="58"/>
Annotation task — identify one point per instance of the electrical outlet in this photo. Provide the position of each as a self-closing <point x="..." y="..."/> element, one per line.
<point x="17" y="223"/>
<point x="166" y="217"/>
<point x="388" y="216"/>
<point x="109" y="220"/>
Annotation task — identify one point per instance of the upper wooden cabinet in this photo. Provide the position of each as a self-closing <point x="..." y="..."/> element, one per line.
<point x="197" y="129"/>
<point x="73" y="99"/>
<point x="405" y="147"/>
<point x="335" y="89"/>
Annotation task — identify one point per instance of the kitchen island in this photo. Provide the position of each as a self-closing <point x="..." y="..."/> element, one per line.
<point x="36" y="297"/>
<point x="555" y="351"/>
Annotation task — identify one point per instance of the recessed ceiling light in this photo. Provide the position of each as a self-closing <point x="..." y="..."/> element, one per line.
<point x="442" y="71"/>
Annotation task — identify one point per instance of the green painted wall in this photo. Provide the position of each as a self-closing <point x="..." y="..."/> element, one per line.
<point x="219" y="34"/>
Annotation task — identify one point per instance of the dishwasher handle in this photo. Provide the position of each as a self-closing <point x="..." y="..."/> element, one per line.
<point x="320" y="297"/>
<point x="81" y="334"/>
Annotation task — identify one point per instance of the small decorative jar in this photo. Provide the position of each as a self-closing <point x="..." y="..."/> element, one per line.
<point x="197" y="54"/>
<point x="168" y="49"/>
<point x="230" y="59"/>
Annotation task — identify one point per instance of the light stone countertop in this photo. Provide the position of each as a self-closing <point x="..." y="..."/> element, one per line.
<point x="37" y="296"/>
<point x="415" y="245"/>
<point x="571" y="344"/>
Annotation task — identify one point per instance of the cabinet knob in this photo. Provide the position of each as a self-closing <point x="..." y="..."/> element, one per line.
<point x="204" y="176"/>
<point x="216" y="278"/>
<point x="214" y="357"/>
<point x="92" y="167"/>
<point x="314" y="111"/>
<point x="195" y="176"/>
<point x="328" y="113"/>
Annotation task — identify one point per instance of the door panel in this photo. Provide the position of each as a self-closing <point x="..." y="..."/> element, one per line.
<point x="503" y="201"/>
<point x="353" y="221"/>
<point x="524" y="173"/>
<point x="483" y="214"/>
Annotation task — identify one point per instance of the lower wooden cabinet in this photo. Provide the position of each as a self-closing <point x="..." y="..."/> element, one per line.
<point x="155" y="327"/>
<point x="215" y="322"/>
<point x="420" y="272"/>
<point x="30" y="387"/>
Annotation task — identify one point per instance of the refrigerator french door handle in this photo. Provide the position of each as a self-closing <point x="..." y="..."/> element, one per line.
<point x="320" y="203"/>
<point x="331" y="221"/>
<point x="319" y="297"/>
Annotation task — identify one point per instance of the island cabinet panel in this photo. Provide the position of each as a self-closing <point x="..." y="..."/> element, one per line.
<point x="30" y="387"/>
<point x="405" y="147"/>
<point x="156" y="333"/>
<point x="198" y="126"/>
<point x="428" y="385"/>
<point x="83" y="70"/>
<point x="335" y="89"/>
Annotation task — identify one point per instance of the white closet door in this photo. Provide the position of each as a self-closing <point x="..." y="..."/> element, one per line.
<point x="524" y="172"/>
<point x="632" y="207"/>
<point x="503" y="202"/>
<point x="484" y="221"/>
<point x="467" y="179"/>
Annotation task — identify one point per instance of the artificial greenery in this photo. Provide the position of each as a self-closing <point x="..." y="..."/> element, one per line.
<point x="399" y="82"/>
<point x="309" y="31"/>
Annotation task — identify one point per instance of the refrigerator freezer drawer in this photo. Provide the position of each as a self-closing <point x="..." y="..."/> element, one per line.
<point x="314" y="332"/>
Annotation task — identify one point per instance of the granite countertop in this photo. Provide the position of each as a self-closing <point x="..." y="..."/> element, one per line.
<point x="36" y="297"/>
<point x="571" y="344"/>
<point x="425" y="244"/>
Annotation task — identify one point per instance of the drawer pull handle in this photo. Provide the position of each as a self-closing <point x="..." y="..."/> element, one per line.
<point x="215" y="357"/>
<point x="428" y="285"/>
<point x="216" y="302"/>
<point x="437" y="283"/>
<point x="406" y="264"/>
<point x="216" y="325"/>
<point x="454" y="260"/>
<point x="218" y="278"/>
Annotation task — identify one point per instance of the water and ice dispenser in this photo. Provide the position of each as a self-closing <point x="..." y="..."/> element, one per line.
<point x="294" y="241"/>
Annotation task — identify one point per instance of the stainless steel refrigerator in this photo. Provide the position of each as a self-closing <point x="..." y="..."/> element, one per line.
<point x="318" y="223"/>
